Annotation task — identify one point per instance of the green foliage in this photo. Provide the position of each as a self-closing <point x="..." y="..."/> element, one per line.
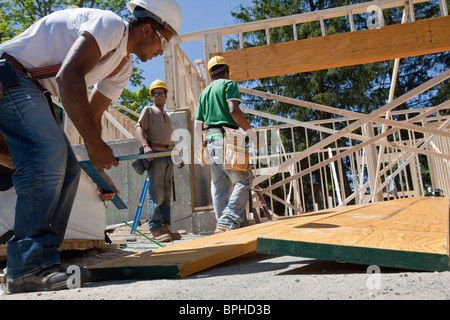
<point x="135" y="100"/>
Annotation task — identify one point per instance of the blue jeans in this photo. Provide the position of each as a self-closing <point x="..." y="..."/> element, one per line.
<point x="160" y="177"/>
<point x="46" y="179"/>
<point x="229" y="188"/>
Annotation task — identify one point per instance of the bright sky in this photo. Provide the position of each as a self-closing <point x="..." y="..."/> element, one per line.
<point x="196" y="15"/>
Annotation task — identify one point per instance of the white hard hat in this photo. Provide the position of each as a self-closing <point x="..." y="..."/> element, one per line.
<point x="166" y="12"/>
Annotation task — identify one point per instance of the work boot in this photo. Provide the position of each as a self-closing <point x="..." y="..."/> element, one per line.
<point x="161" y="235"/>
<point x="49" y="279"/>
<point x="174" y="235"/>
<point x="223" y="229"/>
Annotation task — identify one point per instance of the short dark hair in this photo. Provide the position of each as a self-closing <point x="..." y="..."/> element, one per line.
<point x="220" y="74"/>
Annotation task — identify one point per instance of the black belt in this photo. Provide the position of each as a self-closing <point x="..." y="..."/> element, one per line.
<point x="221" y="127"/>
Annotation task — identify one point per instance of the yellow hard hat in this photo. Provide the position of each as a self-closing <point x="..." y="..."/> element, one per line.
<point x="216" y="61"/>
<point x="158" y="84"/>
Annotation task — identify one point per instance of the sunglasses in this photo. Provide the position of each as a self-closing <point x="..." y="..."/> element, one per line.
<point x="164" y="41"/>
<point x="157" y="94"/>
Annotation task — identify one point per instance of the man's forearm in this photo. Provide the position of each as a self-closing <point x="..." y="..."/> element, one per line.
<point x="237" y="115"/>
<point x="140" y="134"/>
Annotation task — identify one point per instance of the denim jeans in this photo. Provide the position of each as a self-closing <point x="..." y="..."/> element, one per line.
<point x="160" y="177"/>
<point x="46" y="179"/>
<point x="229" y="188"/>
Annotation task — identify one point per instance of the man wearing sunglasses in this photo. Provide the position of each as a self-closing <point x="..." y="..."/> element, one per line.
<point x="62" y="55"/>
<point x="154" y="132"/>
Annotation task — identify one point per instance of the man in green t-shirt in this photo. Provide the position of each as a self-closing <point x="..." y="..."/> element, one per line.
<point x="218" y="107"/>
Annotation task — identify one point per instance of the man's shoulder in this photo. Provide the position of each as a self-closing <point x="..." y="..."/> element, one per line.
<point x="218" y="85"/>
<point x="91" y="11"/>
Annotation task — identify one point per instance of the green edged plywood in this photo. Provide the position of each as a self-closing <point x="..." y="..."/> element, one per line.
<point x="360" y="255"/>
<point x="406" y="233"/>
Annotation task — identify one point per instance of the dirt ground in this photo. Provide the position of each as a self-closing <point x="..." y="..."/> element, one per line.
<point x="254" y="277"/>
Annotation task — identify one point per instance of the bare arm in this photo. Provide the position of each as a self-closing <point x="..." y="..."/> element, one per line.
<point x="237" y="114"/>
<point x="81" y="58"/>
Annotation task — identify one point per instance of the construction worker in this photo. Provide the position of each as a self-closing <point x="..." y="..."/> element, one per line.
<point x="154" y="132"/>
<point x="63" y="54"/>
<point x="218" y="107"/>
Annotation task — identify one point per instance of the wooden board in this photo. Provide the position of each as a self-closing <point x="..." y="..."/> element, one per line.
<point x="70" y="244"/>
<point x="406" y="233"/>
<point x="186" y="258"/>
<point x="346" y="49"/>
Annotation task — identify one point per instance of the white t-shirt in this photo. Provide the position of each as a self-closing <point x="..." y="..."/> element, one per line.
<point x="48" y="41"/>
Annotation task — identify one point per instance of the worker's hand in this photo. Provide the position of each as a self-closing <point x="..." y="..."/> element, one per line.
<point x="101" y="155"/>
<point x="107" y="196"/>
<point x="148" y="149"/>
<point x="177" y="160"/>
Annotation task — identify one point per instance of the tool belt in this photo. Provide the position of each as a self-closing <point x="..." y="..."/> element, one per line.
<point x="159" y="145"/>
<point x="143" y="165"/>
<point x="235" y="151"/>
<point x="236" y="156"/>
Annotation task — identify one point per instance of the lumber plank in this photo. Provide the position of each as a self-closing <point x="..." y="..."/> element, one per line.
<point x="359" y="47"/>
<point x="407" y="233"/>
<point x="186" y="258"/>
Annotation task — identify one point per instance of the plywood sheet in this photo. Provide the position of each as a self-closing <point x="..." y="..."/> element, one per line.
<point x="186" y="258"/>
<point x="407" y="233"/>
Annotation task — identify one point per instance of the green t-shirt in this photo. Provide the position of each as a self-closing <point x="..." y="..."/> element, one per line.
<point x="212" y="106"/>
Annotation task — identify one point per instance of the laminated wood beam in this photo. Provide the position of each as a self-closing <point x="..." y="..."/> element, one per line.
<point x="346" y="49"/>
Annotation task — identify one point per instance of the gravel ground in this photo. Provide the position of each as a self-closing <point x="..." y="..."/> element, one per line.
<point x="255" y="277"/>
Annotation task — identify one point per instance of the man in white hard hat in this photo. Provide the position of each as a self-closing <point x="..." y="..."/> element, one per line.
<point x="154" y="132"/>
<point x="62" y="55"/>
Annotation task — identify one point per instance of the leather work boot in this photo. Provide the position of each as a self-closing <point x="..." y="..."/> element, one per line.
<point x="222" y="230"/>
<point x="161" y="235"/>
<point x="49" y="279"/>
<point x="174" y="235"/>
